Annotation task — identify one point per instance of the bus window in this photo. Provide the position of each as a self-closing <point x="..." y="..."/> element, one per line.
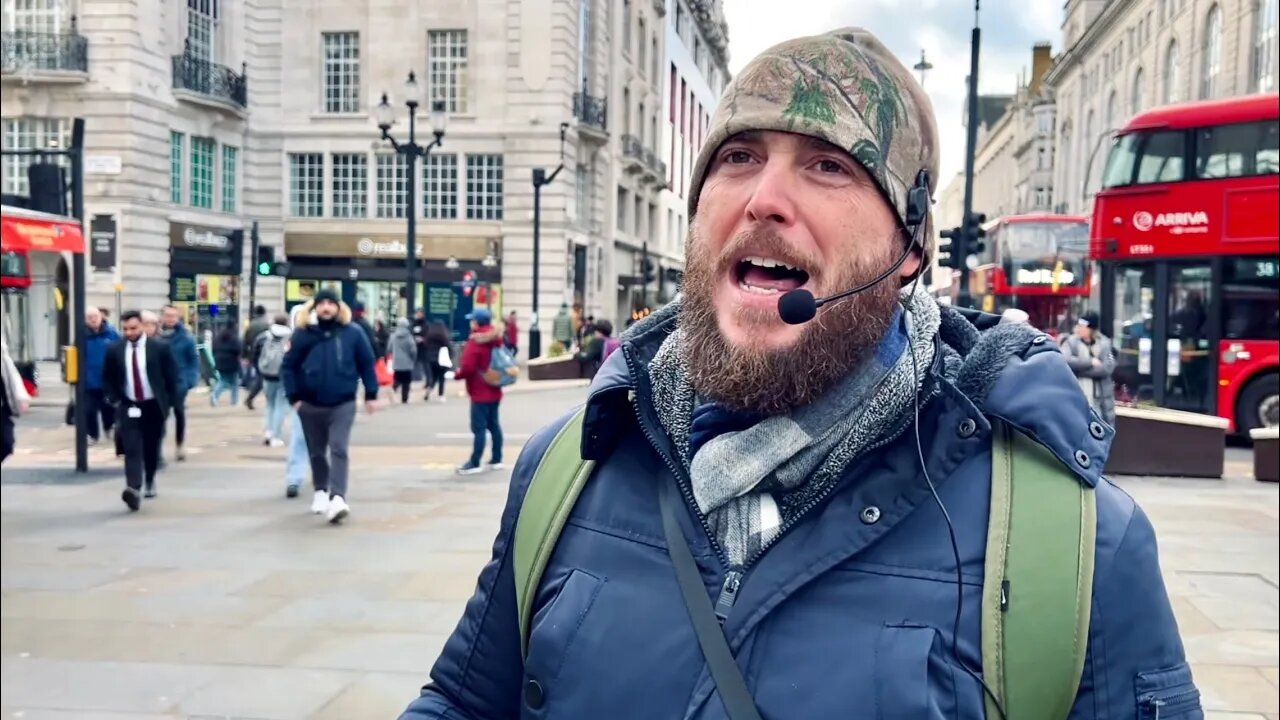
<point x="1161" y="157"/>
<point x="1239" y="150"/>
<point x="1251" y="299"/>
<point x="1119" y="170"/>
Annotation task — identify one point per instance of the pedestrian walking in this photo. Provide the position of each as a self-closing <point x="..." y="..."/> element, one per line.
<point x="14" y="400"/>
<point x="404" y="355"/>
<point x="253" y="382"/>
<point x="183" y="346"/>
<point x="267" y="358"/>
<point x="486" y="397"/>
<point x="1091" y="357"/>
<point x="327" y="361"/>
<point x="562" y="328"/>
<point x="511" y="333"/>
<point x="99" y="336"/>
<point x="771" y="507"/>
<point x="227" y="352"/>
<point x="298" y="460"/>
<point x="439" y="354"/>
<point x="140" y="378"/>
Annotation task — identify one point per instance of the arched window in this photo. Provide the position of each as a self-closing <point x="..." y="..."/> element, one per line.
<point x="1111" y="118"/>
<point x="1137" y="96"/>
<point x="1087" y="141"/>
<point x="1172" y="86"/>
<point x="1211" y="53"/>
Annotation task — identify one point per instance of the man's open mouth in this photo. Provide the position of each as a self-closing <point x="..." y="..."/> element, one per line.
<point x="766" y="276"/>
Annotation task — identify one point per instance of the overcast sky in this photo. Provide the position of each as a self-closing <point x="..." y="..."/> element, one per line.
<point x="940" y="27"/>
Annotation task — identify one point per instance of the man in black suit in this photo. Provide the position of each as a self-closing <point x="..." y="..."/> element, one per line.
<point x="139" y="377"/>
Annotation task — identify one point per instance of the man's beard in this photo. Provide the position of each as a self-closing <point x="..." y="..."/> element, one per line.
<point x="773" y="382"/>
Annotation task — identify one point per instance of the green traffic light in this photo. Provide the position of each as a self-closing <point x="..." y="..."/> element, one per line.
<point x="264" y="268"/>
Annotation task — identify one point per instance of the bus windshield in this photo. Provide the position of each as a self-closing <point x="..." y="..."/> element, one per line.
<point x="1044" y="253"/>
<point x="1222" y="151"/>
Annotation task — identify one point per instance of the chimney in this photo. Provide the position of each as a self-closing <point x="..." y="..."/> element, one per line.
<point x="1041" y="61"/>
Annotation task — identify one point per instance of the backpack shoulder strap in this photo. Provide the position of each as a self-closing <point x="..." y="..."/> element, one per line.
<point x="1038" y="583"/>
<point x="548" y="501"/>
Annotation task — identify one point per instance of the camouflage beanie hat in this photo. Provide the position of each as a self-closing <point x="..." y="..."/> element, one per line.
<point x="846" y="88"/>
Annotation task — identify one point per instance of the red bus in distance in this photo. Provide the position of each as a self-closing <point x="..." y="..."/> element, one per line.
<point x="1185" y="235"/>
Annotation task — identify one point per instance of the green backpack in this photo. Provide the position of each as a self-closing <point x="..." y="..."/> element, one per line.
<point x="1038" y="579"/>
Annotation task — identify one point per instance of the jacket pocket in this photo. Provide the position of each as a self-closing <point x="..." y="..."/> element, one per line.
<point x="913" y="678"/>
<point x="554" y="628"/>
<point x="1168" y="694"/>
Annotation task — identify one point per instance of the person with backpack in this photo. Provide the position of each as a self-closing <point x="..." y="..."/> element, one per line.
<point x="597" y="347"/>
<point x="404" y="355"/>
<point x="880" y="506"/>
<point x="269" y="349"/>
<point x="485" y="390"/>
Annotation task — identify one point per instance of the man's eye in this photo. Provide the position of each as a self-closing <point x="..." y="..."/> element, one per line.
<point x="737" y="157"/>
<point x="831" y="166"/>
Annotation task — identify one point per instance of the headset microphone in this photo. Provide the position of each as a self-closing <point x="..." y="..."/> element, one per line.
<point x="799" y="306"/>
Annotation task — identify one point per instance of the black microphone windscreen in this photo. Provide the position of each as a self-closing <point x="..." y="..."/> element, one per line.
<point x="797" y="306"/>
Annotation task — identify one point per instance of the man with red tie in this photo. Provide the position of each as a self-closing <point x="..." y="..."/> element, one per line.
<point x="139" y="377"/>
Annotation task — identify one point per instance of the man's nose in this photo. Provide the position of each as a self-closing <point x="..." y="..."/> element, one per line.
<point x="771" y="201"/>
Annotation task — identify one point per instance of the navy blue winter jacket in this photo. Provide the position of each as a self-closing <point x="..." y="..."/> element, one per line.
<point x="326" y="362"/>
<point x="842" y="617"/>
<point x="183" y="346"/>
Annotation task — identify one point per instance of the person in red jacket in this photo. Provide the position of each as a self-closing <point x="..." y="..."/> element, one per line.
<point x="511" y="333"/>
<point x="485" y="398"/>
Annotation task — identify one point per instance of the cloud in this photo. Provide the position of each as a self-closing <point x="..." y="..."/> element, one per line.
<point x="941" y="27"/>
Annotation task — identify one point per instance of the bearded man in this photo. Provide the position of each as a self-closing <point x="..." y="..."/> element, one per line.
<point x="826" y="484"/>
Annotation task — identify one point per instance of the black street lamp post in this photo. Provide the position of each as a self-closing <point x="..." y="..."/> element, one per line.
<point x="385" y="116"/>
<point x="540" y="179"/>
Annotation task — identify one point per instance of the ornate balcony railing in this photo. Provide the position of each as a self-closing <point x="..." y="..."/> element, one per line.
<point x="591" y="111"/>
<point x="633" y="152"/>
<point x="28" y="51"/>
<point x="211" y="79"/>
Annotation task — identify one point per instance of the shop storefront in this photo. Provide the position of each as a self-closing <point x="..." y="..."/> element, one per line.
<point x="204" y="274"/>
<point x="370" y="269"/>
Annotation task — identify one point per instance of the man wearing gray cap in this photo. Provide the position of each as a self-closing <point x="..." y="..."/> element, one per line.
<point x="776" y="504"/>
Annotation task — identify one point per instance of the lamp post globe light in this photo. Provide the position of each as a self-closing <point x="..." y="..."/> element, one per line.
<point x="384" y="116"/>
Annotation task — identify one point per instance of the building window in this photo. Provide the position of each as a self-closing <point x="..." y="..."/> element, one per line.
<point x="638" y="216"/>
<point x="350" y="185"/>
<point x="175" y="167"/>
<point x="484" y="187"/>
<point x="657" y="57"/>
<point x="392" y="184"/>
<point x="1137" y="93"/>
<point x="32" y="133"/>
<point x="1111" y="112"/>
<point x="1172" y="88"/>
<point x="626" y="111"/>
<point x="37" y="16"/>
<point x="642" y="59"/>
<point x="447" y="68"/>
<point x="1211" y="52"/>
<point x="621" y="202"/>
<point x="440" y="187"/>
<point x="230" y="158"/>
<point x="583" y="195"/>
<point x="1265" y="50"/>
<point x="341" y="72"/>
<point x="202" y="29"/>
<point x="306" y="184"/>
<point x="626" y="26"/>
<point x="202" y="172"/>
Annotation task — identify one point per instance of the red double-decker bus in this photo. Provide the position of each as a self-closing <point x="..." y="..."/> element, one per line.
<point x="15" y="284"/>
<point x="1037" y="263"/>
<point x="1185" y="233"/>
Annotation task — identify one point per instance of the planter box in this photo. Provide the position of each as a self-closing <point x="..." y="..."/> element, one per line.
<point x="1168" y="443"/>
<point x="565" y="367"/>
<point x="1266" y="454"/>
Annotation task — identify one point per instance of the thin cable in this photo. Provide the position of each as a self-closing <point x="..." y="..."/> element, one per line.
<point x="951" y="530"/>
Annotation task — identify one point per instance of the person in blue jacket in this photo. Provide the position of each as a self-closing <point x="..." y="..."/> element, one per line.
<point x="183" y="347"/>
<point x="99" y="336"/>
<point x="791" y="450"/>
<point x="327" y="361"/>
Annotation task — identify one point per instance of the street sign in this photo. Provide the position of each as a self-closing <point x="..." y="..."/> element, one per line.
<point x="102" y="242"/>
<point x="103" y="165"/>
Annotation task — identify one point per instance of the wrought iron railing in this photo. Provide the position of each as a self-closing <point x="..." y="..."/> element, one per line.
<point x="211" y="79"/>
<point x="591" y="110"/>
<point x="25" y="50"/>
<point x="633" y="149"/>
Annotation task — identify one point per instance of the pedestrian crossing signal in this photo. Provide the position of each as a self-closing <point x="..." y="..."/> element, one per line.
<point x="266" y="260"/>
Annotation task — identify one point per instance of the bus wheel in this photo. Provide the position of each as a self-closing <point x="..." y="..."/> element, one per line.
<point x="1259" y="404"/>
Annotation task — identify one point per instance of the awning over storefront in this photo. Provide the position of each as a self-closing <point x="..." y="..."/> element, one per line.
<point x="22" y="229"/>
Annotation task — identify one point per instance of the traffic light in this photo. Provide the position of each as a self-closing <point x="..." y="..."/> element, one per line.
<point x="950" y="248"/>
<point x="974" y="234"/>
<point x="647" y="271"/>
<point x="266" y="260"/>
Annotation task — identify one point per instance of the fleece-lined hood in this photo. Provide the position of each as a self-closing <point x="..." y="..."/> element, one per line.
<point x="305" y="314"/>
<point x="981" y="363"/>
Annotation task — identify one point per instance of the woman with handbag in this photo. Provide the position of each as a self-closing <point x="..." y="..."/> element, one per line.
<point x="439" y="356"/>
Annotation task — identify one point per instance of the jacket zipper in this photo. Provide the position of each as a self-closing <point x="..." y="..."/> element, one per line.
<point x="1176" y="702"/>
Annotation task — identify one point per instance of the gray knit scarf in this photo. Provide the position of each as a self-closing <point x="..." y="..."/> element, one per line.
<point x="748" y="484"/>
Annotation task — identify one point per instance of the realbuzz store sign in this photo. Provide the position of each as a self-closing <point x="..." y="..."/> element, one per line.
<point x="382" y="247"/>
